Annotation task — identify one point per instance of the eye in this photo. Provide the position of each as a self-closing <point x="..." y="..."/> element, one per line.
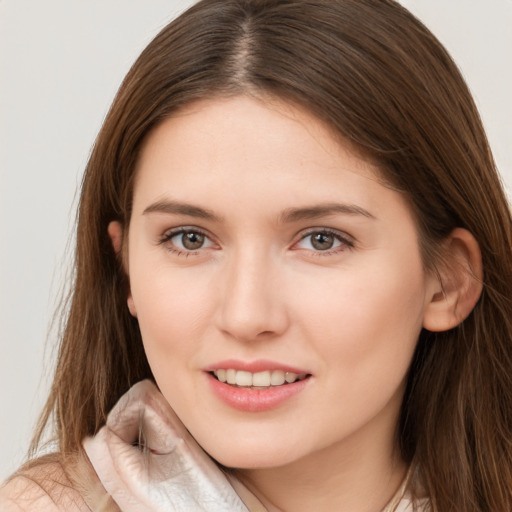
<point x="324" y="240"/>
<point x="186" y="240"/>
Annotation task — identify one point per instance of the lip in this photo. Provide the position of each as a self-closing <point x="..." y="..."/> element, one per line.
<point x="260" y="365"/>
<point x="255" y="400"/>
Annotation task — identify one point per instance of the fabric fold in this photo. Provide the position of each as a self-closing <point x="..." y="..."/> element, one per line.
<point x="148" y="461"/>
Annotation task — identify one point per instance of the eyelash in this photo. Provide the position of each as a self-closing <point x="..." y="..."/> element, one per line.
<point x="346" y="242"/>
<point x="169" y="235"/>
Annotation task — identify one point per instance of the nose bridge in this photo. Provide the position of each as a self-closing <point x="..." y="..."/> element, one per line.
<point x="252" y="304"/>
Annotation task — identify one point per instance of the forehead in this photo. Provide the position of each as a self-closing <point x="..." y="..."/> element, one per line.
<point x="242" y="150"/>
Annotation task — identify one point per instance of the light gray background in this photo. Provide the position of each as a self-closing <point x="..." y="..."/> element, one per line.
<point x="61" y="62"/>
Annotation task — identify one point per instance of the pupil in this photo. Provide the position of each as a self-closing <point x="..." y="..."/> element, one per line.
<point x="322" y="241"/>
<point x="192" y="240"/>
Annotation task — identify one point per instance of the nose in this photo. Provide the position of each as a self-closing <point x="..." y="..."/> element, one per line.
<point x="251" y="303"/>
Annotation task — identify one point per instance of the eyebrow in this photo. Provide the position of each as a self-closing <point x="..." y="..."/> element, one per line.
<point x="287" y="216"/>
<point x="175" y="207"/>
<point x="322" y="210"/>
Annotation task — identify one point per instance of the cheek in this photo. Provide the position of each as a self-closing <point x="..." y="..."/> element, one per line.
<point x="173" y="312"/>
<point x="367" y="322"/>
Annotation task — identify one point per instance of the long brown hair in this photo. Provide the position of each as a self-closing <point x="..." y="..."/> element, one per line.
<point x="382" y="81"/>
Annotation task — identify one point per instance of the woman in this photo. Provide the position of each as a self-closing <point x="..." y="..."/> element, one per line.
<point x="291" y="223"/>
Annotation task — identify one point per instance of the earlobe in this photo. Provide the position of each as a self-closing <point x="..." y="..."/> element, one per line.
<point x="115" y="232"/>
<point x="131" y="305"/>
<point x="459" y="284"/>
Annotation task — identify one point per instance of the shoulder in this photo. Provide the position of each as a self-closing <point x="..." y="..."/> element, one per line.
<point x="50" y="485"/>
<point x="42" y="485"/>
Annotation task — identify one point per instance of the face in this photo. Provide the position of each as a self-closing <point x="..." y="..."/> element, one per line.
<point x="263" y="252"/>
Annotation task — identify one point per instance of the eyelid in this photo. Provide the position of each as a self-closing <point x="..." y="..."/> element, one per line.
<point x="347" y="241"/>
<point x="168" y="234"/>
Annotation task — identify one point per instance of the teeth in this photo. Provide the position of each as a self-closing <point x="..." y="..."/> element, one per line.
<point x="231" y="376"/>
<point x="243" y="379"/>
<point x="260" y="379"/>
<point x="277" y="378"/>
<point x="290" y="377"/>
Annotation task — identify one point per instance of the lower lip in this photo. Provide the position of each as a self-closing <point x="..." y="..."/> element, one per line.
<point x="255" y="400"/>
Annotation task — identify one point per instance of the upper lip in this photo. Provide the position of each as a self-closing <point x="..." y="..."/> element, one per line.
<point x="259" y="365"/>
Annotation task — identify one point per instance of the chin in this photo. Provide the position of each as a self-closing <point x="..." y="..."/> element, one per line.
<point x="247" y="461"/>
<point x="261" y="456"/>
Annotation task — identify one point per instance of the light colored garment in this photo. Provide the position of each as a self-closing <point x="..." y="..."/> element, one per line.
<point x="171" y="473"/>
<point x="142" y="460"/>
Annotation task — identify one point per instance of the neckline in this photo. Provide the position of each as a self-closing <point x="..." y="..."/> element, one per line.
<point x="401" y="497"/>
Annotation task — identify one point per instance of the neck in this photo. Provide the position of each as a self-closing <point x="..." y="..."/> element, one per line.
<point x="359" y="474"/>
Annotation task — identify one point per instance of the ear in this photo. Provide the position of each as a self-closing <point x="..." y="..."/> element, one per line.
<point x="115" y="232"/>
<point x="459" y="283"/>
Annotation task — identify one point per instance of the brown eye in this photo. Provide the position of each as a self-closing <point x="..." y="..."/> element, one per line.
<point x="187" y="241"/>
<point x="322" y="241"/>
<point x="192" y="240"/>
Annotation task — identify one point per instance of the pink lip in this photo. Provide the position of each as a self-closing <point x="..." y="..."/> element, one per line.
<point x="259" y="365"/>
<point x="254" y="400"/>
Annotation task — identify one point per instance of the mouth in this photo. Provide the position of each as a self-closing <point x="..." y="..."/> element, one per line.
<point x="256" y="386"/>
<point x="260" y="380"/>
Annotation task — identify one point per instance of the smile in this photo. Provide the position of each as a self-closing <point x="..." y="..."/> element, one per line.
<point x="258" y="380"/>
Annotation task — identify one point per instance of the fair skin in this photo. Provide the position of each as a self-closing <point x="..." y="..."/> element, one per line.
<point x="258" y="242"/>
